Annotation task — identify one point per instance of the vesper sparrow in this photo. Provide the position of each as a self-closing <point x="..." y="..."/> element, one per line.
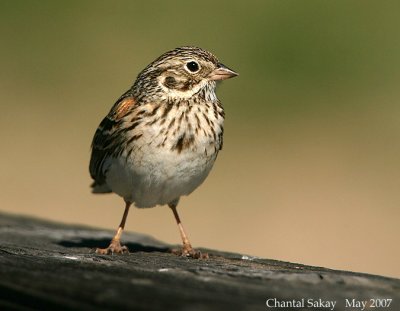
<point x="161" y="138"/>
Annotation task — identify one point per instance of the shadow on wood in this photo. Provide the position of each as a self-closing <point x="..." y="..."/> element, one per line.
<point x="52" y="266"/>
<point x="94" y="243"/>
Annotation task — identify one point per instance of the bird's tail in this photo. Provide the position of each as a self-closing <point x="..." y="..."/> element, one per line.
<point x="100" y="188"/>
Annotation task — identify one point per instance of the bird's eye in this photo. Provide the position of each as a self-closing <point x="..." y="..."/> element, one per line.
<point x="192" y="66"/>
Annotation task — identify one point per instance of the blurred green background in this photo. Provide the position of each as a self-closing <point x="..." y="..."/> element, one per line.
<point x="310" y="170"/>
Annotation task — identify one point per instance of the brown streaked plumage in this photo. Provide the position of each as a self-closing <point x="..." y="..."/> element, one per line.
<point x="160" y="139"/>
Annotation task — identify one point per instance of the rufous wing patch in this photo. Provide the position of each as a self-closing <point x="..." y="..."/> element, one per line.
<point x="124" y="107"/>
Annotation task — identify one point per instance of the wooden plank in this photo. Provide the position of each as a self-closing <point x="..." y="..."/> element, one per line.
<point x="52" y="266"/>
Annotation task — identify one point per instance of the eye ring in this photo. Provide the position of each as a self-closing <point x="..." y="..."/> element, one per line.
<point x="192" y="66"/>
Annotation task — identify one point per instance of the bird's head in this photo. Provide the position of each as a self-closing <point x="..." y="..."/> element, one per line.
<point x="183" y="72"/>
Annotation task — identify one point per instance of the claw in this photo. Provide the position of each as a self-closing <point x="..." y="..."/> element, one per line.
<point x="114" y="248"/>
<point x="190" y="253"/>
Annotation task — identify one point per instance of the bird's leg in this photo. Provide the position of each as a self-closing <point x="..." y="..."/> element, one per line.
<point x="187" y="249"/>
<point x="115" y="245"/>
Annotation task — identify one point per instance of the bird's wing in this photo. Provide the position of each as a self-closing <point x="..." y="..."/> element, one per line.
<point x="107" y="140"/>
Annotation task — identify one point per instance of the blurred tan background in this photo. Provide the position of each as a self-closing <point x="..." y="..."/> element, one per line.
<point x="310" y="170"/>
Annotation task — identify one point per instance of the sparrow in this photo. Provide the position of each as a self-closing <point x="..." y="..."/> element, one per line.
<point x="161" y="138"/>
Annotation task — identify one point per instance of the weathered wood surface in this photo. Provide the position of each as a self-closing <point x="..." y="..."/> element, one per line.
<point x="52" y="266"/>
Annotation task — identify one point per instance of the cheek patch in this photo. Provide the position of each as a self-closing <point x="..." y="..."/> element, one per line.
<point x="170" y="82"/>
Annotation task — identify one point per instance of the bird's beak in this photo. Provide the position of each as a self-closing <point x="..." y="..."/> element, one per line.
<point x="221" y="73"/>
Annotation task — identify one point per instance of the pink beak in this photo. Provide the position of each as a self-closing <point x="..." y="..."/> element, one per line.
<point x="222" y="73"/>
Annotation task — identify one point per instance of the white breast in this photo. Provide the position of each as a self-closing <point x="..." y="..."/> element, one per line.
<point x="156" y="174"/>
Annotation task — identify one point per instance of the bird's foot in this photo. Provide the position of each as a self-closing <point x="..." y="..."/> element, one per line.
<point x="115" y="247"/>
<point x="189" y="252"/>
